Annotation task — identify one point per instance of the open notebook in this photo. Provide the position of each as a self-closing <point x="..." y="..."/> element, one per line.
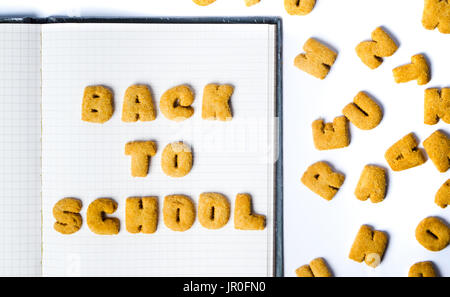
<point x="47" y="152"/>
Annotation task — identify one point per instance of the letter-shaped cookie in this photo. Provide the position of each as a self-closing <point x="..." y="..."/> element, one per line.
<point x="320" y="178"/>
<point x="433" y="234"/>
<point x="141" y="214"/>
<point x="244" y="218"/>
<point x="329" y="136"/>
<point x="404" y="154"/>
<point x="369" y="246"/>
<point x="372" y="52"/>
<point x="178" y="212"/>
<point x="316" y="268"/>
<point x="436" y="13"/>
<point x="442" y="197"/>
<point x="67" y="214"/>
<point x="176" y="160"/>
<point x="213" y="210"/>
<point x="215" y="104"/>
<point x="251" y="2"/>
<point x="203" y="2"/>
<point x="97" y="106"/>
<point x="299" y="7"/>
<point x="437" y="106"/>
<point x="175" y="104"/>
<point x="437" y="147"/>
<point x="97" y="220"/>
<point x="140" y="152"/>
<point x="418" y="70"/>
<point x="317" y="59"/>
<point x="422" y="269"/>
<point x="364" y="113"/>
<point x="138" y="105"/>
<point x="372" y="184"/>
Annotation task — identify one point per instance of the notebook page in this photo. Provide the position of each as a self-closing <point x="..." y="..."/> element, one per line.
<point x="20" y="133"/>
<point x="87" y="161"/>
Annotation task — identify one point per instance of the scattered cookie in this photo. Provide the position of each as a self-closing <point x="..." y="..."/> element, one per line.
<point x="213" y="210"/>
<point x="418" y="70"/>
<point x="140" y="152"/>
<point x="437" y="106"/>
<point x="329" y="136"/>
<point x="203" y="2"/>
<point x="442" y="197"/>
<point x="97" y="106"/>
<point x="67" y="214"/>
<point x="405" y="154"/>
<point x="299" y="7"/>
<point x="372" y="184"/>
<point x="178" y="212"/>
<point x="97" y="220"/>
<point x="436" y="13"/>
<point x="141" y="214"/>
<point x="176" y="160"/>
<point x="175" y="104"/>
<point x="422" y="269"/>
<point x="316" y="268"/>
<point x="320" y="178"/>
<point x="363" y="112"/>
<point x="437" y="147"/>
<point x="215" y="104"/>
<point x="372" y="52"/>
<point x="369" y="246"/>
<point x="138" y="104"/>
<point x="317" y="59"/>
<point x="433" y="234"/>
<point x="244" y="218"/>
<point x="251" y="2"/>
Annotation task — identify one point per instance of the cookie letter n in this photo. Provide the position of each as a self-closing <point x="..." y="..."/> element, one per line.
<point x="369" y="246"/>
<point x="317" y="59"/>
<point x="140" y="152"/>
<point x="436" y="13"/>
<point x="215" y="104"/>
<point x="97" y="106"/>
<point x="141" y="214"/>
<point x="67" y="214"/>
<point x="244" y="218"/>
<point x="97" y="220"/>
<point x="138" y="105"/>
<point x="437" y="106"/>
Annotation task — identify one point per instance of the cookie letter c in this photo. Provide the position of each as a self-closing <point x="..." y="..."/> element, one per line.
<point x="97" y="220"/>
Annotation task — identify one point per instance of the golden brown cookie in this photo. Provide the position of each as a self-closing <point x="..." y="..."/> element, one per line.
<point x="316" y="268"/>
<point x="437" y="106"/>
<point x="244" y="218"/>
<point x="97" y="106"/>
<point x="176" y="160"/>
<point x="141" y="214"/>
<point x="178" y="212"/>
<point x="97" y="220"/>
<point x="215" y="104"/>
<point x="175" y="104"/>
<point x="67" y="214"/>
<point x="372" y="52"/>
<point x="251" y="2"/>
<point x="328" y="136"/>
<point x="436" y="13"/>
<point x="418" y="70"/>
<point x="204" y="2"/>
<point x="322" y="180"/>
<point x="442" y="197"/>
<point x="369" y="246"/>
<point x="433" y="234"/>
<point x="213" y="210"/>
<point x="364" y="113"/>
<point x="317" y="59"/>
<point x="437" y="147"/>
<point x="138" y="104"/>
<point x="372" y="184"/>
<point x="140" y="152"/>
<point x="299" y="7"/>
<point x="404" y="154"/>
<point x="422" y="269"/>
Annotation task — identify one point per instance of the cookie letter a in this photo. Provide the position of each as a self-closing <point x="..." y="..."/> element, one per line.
<point x="369" y="246"/>
<point x="331" y="135"/>
<point x="437" y="106"/>
<point x="372" y="52"/>
<point x="97" y="106"/>
<point x="436" y="13"/>
<point x="67" y="214"/>
<point x="215" y="104"/>
<point x="364" y="113"/>
<point x="316" y="268"/>
<point x="322" y="180"/>
<point x="299" y="7"/>
<point x="418" y="70"/>
<point x="244" y="218"/>
<point x="433" y="234"/>
<point x="178" y="212"/>
<point x="141" y="214"/>
<point x="140" y="152"/>
<point x="405" y="154"/>
<point x="317" y="59"/>
<point x="138" y="105"/>
<point x="97" y="220"/>
<point x="213" y="210"/>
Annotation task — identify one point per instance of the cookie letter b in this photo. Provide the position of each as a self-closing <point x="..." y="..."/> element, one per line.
<point x="322" y="180"/>
<point x="436" y="13"/>
<point x="369" y="246"/>
<point x="317" y="59"/>
<point x="437" y="106"/>
<point x="141" y="214"/>
<point x="138" y="105"/>
<point x="244" y="218"/>
<point x="97" y="220"/>
<point x="67" y="214"/>
<point x="97" y="106"/>
<point x="140" y="152"/>
<point x="215" y="104"/>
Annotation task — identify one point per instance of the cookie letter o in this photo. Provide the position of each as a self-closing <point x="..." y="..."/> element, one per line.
<point x="176" y="160"/>
<point x="213" y="210"/>
<point x="178" y="212"/>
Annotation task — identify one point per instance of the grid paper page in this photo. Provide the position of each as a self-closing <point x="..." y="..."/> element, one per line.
<point x="87" y="161"/>
<point x="20" y="150"/>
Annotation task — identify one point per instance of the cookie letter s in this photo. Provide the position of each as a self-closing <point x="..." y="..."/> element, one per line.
<point x="67" y="214"/>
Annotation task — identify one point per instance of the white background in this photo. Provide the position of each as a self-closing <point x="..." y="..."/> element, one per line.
<point x="313" y="226"/>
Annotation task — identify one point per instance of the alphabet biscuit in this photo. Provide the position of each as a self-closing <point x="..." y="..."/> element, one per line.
<point x="204" y="2"/>
<point x="372" y="52"/>
<point x="176" y="160"/>
<point x="251" y="2"/>
<point x="316" y="268"/>
<point x="364" y="113"/>
<point x="97" y="106"/>
<point x="331" y="135"/>
<point x="436" y="13"/>
<point x="418" y="70"/>
<point x="215" y="104"/>
<point x="244" y="218"/>
<point x="178" y="212"/>
<point x="369" y="246"/>
<point x="141" y="214"/>
<point x="317" y="59"/>
<point x="433" y="234"/>
<point x="97" y="220"/>
<point x="422" y="269"/>
<point x="140" y="152"/>
<point x="404" y="154"/>
<point x="299" y="7"/>
<point x="175" y="104"/>
<point x="442" y="197"/>
<point x="372" y="184"/>
<point x="213" y="210"/>
<point x="320" y="178"/>
<point x="437" y="106"/>
<point x="437" y="147"/>
<point x="67" y="214"/>
<point x="138" y="104"/>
